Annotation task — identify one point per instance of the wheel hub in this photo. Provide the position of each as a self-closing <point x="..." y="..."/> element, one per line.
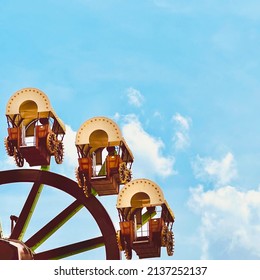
<point x="11" y="249"/>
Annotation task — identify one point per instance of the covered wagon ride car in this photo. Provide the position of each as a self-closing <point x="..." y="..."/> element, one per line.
<point x="104" y="158"/>
<point x="146" y="220"/>
<point x="35" y="133"/>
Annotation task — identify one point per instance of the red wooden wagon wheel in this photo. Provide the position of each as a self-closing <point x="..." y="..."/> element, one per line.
<point x="64" y="184"/>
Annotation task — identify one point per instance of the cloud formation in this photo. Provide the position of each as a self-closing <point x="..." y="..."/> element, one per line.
<point x="230" y="222"/>
<point x="147" y="150"/>
<point x="229" y="218"/>
<point x="70" y="153"/>
<point x="8" y="163"/>
<point x="181" y="138"/>
<point x="219" y="172"/>
<point x="134" y="97"/>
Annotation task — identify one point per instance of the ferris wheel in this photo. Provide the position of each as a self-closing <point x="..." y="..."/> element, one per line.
<point x="35" y="135"/>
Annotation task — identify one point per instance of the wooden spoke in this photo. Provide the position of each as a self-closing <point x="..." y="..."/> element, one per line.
<point x="26" y="213"/>
<point x="44" y="233"/>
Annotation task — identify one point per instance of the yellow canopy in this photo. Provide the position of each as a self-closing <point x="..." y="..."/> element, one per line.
<point x="31" y="103"/>
<point x="145" y="191"/>
<point x="99" y="131"/>
<point x="140" y="193"/>
<point x="26" y="98"/>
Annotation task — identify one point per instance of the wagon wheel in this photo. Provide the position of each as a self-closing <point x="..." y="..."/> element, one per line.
<point x="123" y="245"/>
<point x="51" y="142"/>
<point x="81" y="180"/>
<point x="19" y="160"/>
<point x="120" y="241"/>
<point x="170" y="243"/>
<point x="59" y="152"/>
<point x="128" y="251"/>
<point x="125" y="174"/>
<point x="128" y="175"/>
<point x="164" y="233"/>
<point x="66" y="185"/>
<point x="9" y="147"/>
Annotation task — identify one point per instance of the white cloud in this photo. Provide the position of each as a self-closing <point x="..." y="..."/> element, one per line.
<point x="220" y="172"/>
<point x="182" y="121"/>
<point x="70" y="161"/>
<point x="230" y="222"/>
<point x="7" y="163"/>
<point x="69" y="146"/>
<point x="157" y="114"/>
<point x="181" y="138"/>
<point x="135" y="97"/>
<point x="116" y="117"/>
<point x="147" y="150"/>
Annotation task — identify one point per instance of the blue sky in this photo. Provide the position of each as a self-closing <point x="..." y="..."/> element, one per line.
<point x="181" y="80"/>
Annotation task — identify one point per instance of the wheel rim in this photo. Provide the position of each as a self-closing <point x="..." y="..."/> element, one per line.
<point x="128" y="251"/>
<point x="19" y="160"/>
<point x="92" y="204"/>
<point x="124" y="173"/>
<point x="9" y="147"/>
<point x="51" y="142"/>
<point x="59" y="153"/>
<point x="170" y="243"/>
<point x="164" y="236"/>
